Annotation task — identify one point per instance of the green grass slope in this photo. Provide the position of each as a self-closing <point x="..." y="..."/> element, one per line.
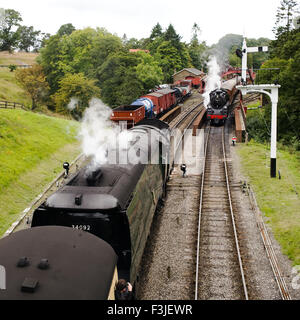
<point x="10" y="90"/>
<point x="278" y="199"/>
<point x="32" y="149"/>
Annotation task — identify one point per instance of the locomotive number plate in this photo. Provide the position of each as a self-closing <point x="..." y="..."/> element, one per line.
<point x="84" y="227"/>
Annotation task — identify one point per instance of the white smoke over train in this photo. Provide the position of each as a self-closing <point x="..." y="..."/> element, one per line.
<point x="213" y="79"/>
<point x="99" y="134"/>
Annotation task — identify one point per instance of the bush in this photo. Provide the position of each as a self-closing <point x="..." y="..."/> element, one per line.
<point x="12" y="67"/>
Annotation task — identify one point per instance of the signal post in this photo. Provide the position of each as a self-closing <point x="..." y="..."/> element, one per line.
<point x="269" y="89"/>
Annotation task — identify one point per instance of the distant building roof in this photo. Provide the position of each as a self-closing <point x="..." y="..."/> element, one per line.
<point x="137" y="50"/>
<point x="195" y="71"/>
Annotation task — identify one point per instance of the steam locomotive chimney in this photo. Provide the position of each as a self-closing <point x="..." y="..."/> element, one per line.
<point x="93" y="177"/>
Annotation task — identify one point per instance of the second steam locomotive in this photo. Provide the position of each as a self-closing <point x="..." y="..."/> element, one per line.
<point x="221" y="100"/>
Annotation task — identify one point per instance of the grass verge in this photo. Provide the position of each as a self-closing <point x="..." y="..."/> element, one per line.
<point x="278" y="199"/>
<point x="32" y="149"/>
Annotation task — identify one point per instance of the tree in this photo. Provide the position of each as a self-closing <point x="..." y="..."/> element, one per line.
<point x="133" y="43"/>
<point x="28" y="38"/>
<point x="34" y="82"/>
<point x="50" y="59"/>
<point x="195" y="31"/>
<point x="118" y="78"/>
<point x="82" y="51"/>
<point x="156" y="32"/>
<point x="171" y="35"/>
<point x="197" y="50"/>
<point x="287" y="60"/>
<point x="65" y="29"/>
<point x="75" y="86"/>
<point x="285" y="47"/>
<point x="41" y="41"/>
<point x="103" y="45"/>
<point x="169" y="60"/>
<point x="148" y="71"/>
<point x="9" y="20"/>
<point x="124" y="39"/>
<point x="284" y="17"/>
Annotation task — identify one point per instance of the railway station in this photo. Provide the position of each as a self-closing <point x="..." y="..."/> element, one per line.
<point x="167" y="194"/>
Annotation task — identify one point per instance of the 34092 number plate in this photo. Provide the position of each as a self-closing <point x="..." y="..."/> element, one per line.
<point x="84" y="227"/>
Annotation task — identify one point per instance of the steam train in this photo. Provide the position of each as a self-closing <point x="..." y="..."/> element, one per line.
<point x="221" y="100"/>
<point x="153" y="104"/>
<point x="114" y="202"/>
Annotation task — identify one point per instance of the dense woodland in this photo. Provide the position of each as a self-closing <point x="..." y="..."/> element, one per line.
<point x="96" y="63"/>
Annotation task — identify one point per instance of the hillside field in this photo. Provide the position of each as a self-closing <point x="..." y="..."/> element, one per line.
<point x="9" y="88"/>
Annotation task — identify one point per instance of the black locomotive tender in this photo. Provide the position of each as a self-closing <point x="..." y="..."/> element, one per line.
<point x="54" y="262"/>
<point x="116" y="202"/>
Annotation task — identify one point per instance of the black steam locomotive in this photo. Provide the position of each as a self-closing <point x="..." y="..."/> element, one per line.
<point x="115" y="202"/>
<point x="221" y="100"/>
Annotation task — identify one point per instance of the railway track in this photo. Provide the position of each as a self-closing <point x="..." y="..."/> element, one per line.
<point x="278" y="275"/>
<point x="219" y="268"/>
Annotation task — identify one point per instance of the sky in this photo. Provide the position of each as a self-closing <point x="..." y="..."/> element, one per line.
<point x="136" y="18"/>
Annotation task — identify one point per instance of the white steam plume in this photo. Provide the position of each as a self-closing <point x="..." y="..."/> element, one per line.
<point x="99" y="134"/>
<point x="73" y="103"/>
<point x="214" y="80"/>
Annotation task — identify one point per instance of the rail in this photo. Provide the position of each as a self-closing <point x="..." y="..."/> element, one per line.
<point x="233" y="219"/>
<point x="200" y="215"/>
<point x="269" y="247"/>
<point x="231" y="215"/>
<point x="17" y="65"/>
<point x="180" y="119"/>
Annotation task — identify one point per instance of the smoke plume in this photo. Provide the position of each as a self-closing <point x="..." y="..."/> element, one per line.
<point x="214" y="80"/>
<point x="100" y="135"/>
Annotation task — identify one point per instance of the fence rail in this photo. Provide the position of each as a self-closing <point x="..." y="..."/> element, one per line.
<point x="11" y="105"/>
<point x="17" y="65"/>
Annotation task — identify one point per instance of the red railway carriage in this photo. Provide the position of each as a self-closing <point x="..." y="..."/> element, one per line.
<point x="131" y="114"/>
<point x="170" y="97"/>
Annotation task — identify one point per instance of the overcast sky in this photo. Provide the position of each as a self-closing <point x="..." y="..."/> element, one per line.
<point x="136" y="18"/>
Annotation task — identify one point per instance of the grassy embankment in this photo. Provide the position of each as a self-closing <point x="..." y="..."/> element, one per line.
<point x="9" y="88"/>
<point x="278" y="199"/>
<point x="32" y="150"/>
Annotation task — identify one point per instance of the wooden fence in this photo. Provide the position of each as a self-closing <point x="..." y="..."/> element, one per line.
<point x="12" y="105"/>
<point x="17" y="65"/>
